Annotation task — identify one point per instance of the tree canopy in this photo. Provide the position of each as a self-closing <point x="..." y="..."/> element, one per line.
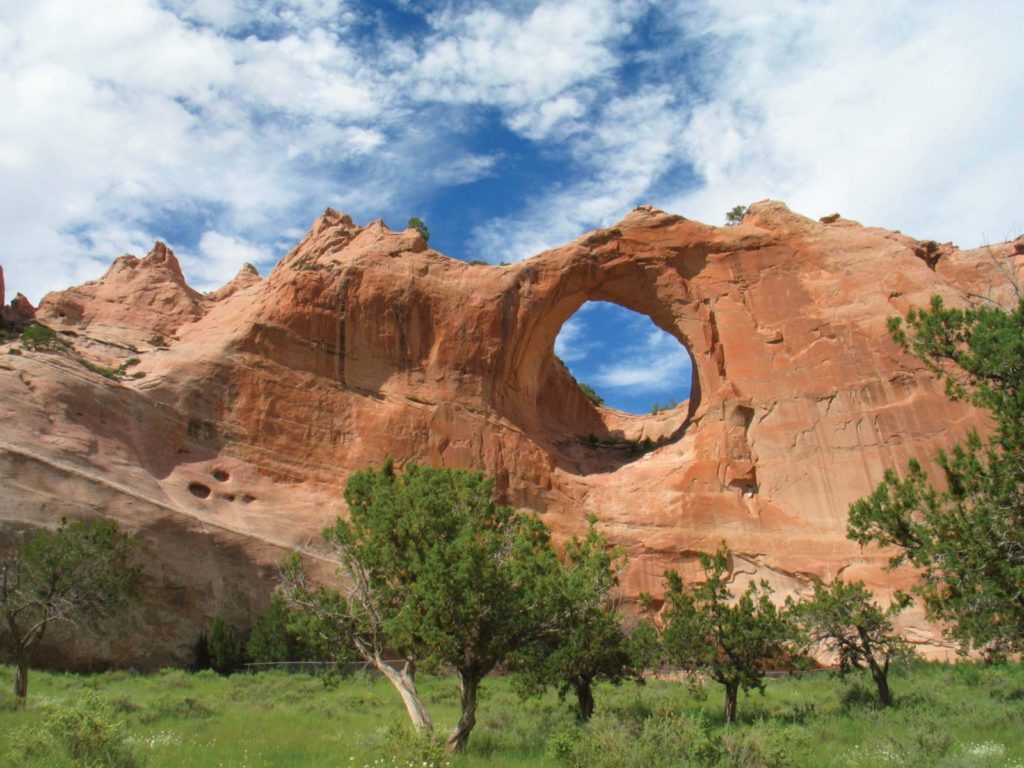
<point x="588" y="642"/>
<point x="78" y="574"/>
<point x="732" y="640"/>
<point x="842" y="618"/>
<point x="440" y="574"/>
<point x="417" y="223"/>
<point x="968" y="540"/>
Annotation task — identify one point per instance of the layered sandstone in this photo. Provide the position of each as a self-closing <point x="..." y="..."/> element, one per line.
<point x="255" y="403"/>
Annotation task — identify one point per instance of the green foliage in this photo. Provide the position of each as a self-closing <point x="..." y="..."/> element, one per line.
<point x="586" y="642"/>
<point x="408" y="747"/>
<point x="732" y="641"/>
<point x="591" y="394"/>
<point x="735" y="215"/>
<point x="39" y="338"/>
<point x="78" y="574"/>
<point x="659" y="407"/>
<point x="965" y="715"/>
<point x="441" y="575"/>
<point x="226" y="650"/>
<point x="968" y="541"/>
<point x="277" y="635"/>
<point x="417" y="223"/>
<point x="86" y="733"/>
<point x="844" y="620"/>
<point x="667" y="739"/>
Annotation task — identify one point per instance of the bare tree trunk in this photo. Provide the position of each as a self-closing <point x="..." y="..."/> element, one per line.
<point x="584" y="698"/>
<point x="21" y="677"/>
<point x="881" y="678"/>
<point x="405" y="684"/>
<point x="459" y="737"/>
<point x="878" y="674"/>
<point x="731" y="693"/>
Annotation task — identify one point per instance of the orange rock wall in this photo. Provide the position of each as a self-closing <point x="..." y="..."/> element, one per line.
<point x="258" y="401"/>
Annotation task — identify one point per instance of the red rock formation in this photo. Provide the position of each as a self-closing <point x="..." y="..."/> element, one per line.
<point x="20" y="311"/>
<point x="235" y="443"/>
<point x="140" y="301"/>
<point x="247" y="277"/>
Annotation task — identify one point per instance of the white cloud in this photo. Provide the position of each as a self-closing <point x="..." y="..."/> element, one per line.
<point x="219" y="259"/>
<point x="662" y="365"/>
<point x="512" y="60"/>
<point x="571" y="344"/>
<point x="899" y="115"/>
<point x="246" y="118"/>
<point x="633" y="142"/>
<point x="464" y="169"/>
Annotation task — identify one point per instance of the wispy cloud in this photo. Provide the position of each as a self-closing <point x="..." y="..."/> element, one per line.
<point x="660" y="366"/>
<point x="572" y="343"/>
<point x="127" y="120"/>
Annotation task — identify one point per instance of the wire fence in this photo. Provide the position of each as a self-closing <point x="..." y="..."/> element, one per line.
<point x="320" y="667"/>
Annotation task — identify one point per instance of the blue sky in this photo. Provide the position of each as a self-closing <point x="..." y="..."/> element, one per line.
<point x="226" y="126"/>
<point x="625" y="357"/>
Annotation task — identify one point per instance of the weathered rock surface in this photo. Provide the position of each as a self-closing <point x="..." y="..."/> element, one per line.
<point x="139" y="301"/>
<point x="247" y="277"/>
<point x="256" y="403"/>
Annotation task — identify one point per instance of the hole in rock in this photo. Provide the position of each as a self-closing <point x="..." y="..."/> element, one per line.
<point x="220" y="475"/>
<point x="199" y="490"/>
<point x="628" y="362"/>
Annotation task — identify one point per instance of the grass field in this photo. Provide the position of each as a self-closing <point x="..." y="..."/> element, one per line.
<point x="946" y="716"/>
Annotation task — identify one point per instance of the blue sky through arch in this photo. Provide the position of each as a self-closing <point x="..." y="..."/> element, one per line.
<point x="625" y="357"/>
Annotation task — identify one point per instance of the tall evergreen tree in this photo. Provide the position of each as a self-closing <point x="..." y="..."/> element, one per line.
<point x="967" y="540"/>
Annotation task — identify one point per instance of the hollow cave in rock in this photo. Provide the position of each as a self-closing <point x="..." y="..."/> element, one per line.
<point x="629" y="363"/>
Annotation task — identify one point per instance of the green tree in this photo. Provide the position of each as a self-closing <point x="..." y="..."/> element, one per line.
<point x="77" y="574"/>
<point x="733" y="641"/>
<point x="967" y="540"/>
<point x="226" y="649"/>
<point x="440" y="574"/>
<point x="591" y="394"/>
<point x="39" y="338"/>
<point x="588" y="642"/>
<point x="277" y="635"/>
<point x="417" y="223"/>
<point x="843" y="619"/>
<point x="735" y="215"/>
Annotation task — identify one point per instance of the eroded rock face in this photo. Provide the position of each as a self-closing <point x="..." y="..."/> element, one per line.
<point x="142" y="302"/>
<point x="235" y="443"/>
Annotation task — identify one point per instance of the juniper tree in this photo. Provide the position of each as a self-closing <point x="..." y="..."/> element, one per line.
<point x="588" y="642"/>
<point x="440" y="574"/>
<point x="78" y="574"/>
<point x="843" y="619"/>
<point x="732" y="640"/>
<point x="967" y="540"/>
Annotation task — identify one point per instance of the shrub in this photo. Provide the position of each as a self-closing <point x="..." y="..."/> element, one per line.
<point x="612" y="741"/>
<point x="588" y="390"/>
<point x="417" y="223"/>
<point x="39" y="338"/>
<point x="226" y="650"/>
<point x="85" y="733"/>
<point x="735" y="216"/>
<point x="407" y="746"/>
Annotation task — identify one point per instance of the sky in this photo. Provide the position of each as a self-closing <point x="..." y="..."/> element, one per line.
<point x="630" y="362"/>
<point x="224" y="127"/>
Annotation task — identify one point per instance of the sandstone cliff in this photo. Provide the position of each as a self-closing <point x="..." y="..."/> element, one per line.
<point x="253" y="404"/>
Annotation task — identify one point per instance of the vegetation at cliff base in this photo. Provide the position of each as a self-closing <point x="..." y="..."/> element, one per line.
<point x="946" y="716"/>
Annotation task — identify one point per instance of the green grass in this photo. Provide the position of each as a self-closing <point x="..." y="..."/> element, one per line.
<point x="966" y="716"/>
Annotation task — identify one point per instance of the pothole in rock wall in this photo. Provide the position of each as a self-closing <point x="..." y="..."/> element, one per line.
<point x="638" y="377"/>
